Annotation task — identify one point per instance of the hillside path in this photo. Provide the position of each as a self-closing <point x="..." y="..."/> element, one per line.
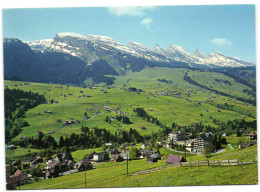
<point x="230" y="146"/>
<point x="95" y="115"/>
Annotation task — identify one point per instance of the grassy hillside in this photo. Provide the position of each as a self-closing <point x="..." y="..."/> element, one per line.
<point x="111" y="175"/>
<point x="176" y="101"/>
<point x="220" y="82"/>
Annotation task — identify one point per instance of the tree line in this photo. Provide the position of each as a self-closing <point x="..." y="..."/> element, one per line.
<point x="191" y="81"/>
<point x="89" y="138"/>
<point x="17" y="102"/>
<point x="142" y="113"/>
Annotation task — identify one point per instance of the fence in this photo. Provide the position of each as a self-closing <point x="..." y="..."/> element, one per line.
<point x="232" y="162"/>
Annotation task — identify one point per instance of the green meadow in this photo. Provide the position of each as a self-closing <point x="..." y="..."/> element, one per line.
<point x="167" y="109"/>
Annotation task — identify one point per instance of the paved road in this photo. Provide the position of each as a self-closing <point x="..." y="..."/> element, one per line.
<point x="230" y="146"/>
<point x="220" y="150"/>
<point x="178" y="151"/>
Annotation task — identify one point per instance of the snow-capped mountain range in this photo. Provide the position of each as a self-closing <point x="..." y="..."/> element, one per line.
<point x="93" y="47"/>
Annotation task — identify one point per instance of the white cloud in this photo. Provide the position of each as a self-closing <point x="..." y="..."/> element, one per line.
<point x="221" y="42"/>
<point x="129" y="11"/>
<point x="146" y="22"/>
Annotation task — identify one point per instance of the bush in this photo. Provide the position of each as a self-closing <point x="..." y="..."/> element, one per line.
<point x="133" y="153"/>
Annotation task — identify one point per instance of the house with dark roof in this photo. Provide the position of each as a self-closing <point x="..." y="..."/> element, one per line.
<point x="11" y="146"/>
<point x="145" y="153"/>
<point x="66" y="165"/>
<point x="144" y="146"/>
<point x="8" y="171"/>
<point x="116" y="158"/>
<point x="13" y="182"/>
<point x="83" y="164"/>
<point x="175" y="159"/>
<point x="174" y="137"/>
<point x="153" y="158"/>
<point x="112" y="151"/>
<point x="126" y="155"/>
<point x="61" y="157"/>
<point x="36" y="161"/>
<point x="52" y="169"/>
<point x="244" y="145"/>
<point x="251" y="135"/>
<point x="91" y="154"/>
<point x="103" y="156"/>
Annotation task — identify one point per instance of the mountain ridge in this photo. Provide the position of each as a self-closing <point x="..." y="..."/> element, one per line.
<point x="106" y="43"/>
<point x="73" y="58"/>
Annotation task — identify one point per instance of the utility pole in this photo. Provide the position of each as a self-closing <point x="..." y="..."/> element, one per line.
<point x="185" y="137"/>
<point x="185" y="145"/>
<point x="85" y="174"/>
<point x="19" y="182"/>
<point x="127" y="164"/>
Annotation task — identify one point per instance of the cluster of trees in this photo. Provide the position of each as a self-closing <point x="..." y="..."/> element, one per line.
<point x="134" y="89"/>
<point x="224" y="81"/>
<point x="123" y="119"/>
<point x="40" y="142"/>
<point x="176" y="146"/>
<point x="120" y="118"/>
<point x="164" y="81"/>
<point x="133" y="153"/>
<point x="89" y="138"/>
<point x="214" y="145"/>
<point x="142" y="113"/>
<point x="108" y="119"/>
<point x="247" y="91"/>
<point x="191" y="81"/>
<point x="238" y="126"/>
<point x="218" y="140"/>
<point x="244" y="75"/>
<point x="194" y="128"/>
<point x="17" y="102"/>
<point x="229" y="107"/>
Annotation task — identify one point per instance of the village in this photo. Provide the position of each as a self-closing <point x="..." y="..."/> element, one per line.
<point x="40" y="168"/>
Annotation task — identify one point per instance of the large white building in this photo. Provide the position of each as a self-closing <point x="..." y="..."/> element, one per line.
<point x="201" y="140"/>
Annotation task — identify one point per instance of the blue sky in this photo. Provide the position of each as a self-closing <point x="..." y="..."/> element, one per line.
<point x="229" y="29"/>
